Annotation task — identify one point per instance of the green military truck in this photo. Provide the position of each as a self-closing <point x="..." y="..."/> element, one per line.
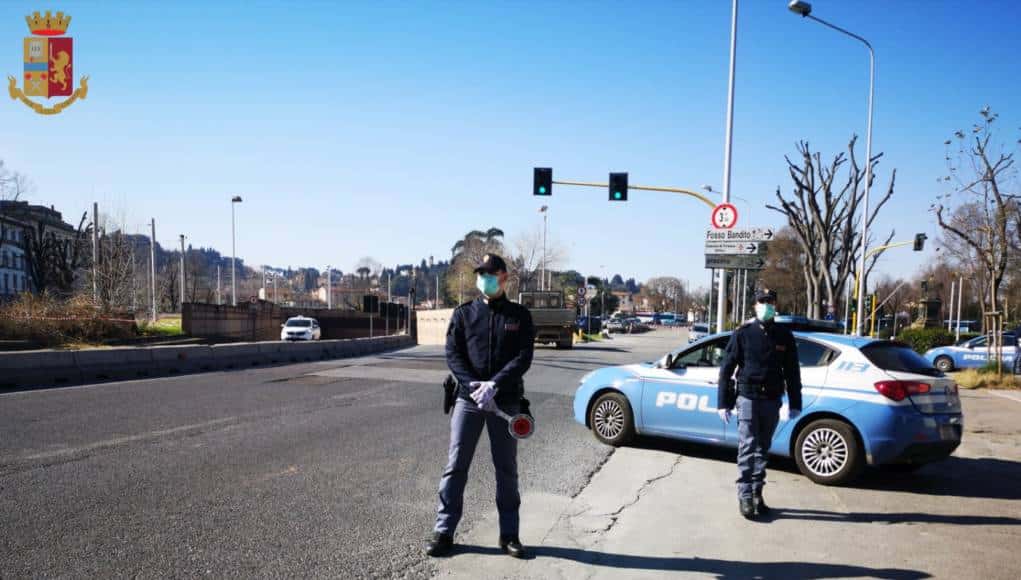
<point x="554" y="324"/>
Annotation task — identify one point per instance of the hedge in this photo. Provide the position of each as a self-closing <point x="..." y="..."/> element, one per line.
<point x="922" y="339"/>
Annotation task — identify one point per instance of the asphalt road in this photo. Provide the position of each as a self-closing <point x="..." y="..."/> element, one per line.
<point x="311" y="470"/>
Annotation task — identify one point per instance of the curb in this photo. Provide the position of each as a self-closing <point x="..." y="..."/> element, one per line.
<point x="58" y="368"/>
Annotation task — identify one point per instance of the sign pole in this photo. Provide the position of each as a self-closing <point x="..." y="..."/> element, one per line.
<point x="728" y="150"/>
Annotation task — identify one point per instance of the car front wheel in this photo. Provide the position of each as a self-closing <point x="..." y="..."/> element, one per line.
<point x="612" y="420"/>
<point x="828" y="452"/>
<point x="944" y="364"/>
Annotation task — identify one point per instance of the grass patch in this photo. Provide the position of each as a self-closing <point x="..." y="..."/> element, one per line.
<point x="984" y="379"/>
<point x="165" y="326"/>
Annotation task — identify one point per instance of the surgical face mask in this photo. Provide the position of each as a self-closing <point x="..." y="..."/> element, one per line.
<point x="765" y="312"/>
<point x="488" y="284"/>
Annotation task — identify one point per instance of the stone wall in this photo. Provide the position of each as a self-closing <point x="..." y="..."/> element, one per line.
<point x="261" y="320"/>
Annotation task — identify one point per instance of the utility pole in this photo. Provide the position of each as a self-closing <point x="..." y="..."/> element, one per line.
<point x="959" y="294"/>
<point x="436" y="303"/>
<point x="219" y="301"/>
<point x="329" y="289"/>
<point x="183" y="286"/>
<point x="152" y="265"/>
<point x="274" y="288"/>
<point x="950" y="319"/>
<point x="95" y="253"/>
<point x="233" y="251"/>
<point x="545" y="227"/>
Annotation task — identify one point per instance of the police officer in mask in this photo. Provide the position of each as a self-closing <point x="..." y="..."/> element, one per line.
<point x="489" y="349"/>
<point x="766" y="359"/>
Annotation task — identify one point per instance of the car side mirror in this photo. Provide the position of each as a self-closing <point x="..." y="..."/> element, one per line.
<point x="283" y="324"/>
<point x="668" y="361"/>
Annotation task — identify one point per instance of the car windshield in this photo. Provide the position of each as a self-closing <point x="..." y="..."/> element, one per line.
<point x="300" y="323"/>
<point x="897" y="357"/>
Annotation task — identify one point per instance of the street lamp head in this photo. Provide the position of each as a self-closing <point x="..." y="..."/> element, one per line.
<point x="707" y="187"/>
<point x="236" y="199"/>
<point x="800" y="7"/>
<point x="543" y="209"/>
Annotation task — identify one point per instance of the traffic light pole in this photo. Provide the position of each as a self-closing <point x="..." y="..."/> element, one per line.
<point x="680" y="190"/>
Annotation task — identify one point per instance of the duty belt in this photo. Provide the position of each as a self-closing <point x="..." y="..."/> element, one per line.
<point x="758" y="389"/>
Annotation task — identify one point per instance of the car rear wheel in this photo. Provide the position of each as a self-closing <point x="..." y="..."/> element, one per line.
<point x="828" y="452"/>
<point x="944" y="364"/>
<point x="612" y="420"/>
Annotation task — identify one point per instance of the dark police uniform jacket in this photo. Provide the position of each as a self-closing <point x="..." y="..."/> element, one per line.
<point x="766" y="358"/>
<point x="491" y="342"/>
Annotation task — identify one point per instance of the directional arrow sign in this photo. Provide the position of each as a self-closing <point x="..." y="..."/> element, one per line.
<point x="740" y="235"/>
<point x="738" y="248"/>
<point x="731" y="262"/>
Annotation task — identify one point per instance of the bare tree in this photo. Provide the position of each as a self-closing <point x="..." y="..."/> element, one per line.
<point x="467" y="252"/>
<point x="785" y="272"/>
<point x="528" y="254"/>
<point x="824" y="216"/>
<point x="55" y="262"/>
<point x="12" y="186"/>
<point x="980" y="230"/>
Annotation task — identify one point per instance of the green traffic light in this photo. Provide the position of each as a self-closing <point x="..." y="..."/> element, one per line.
<point x="542" y="190"/>
<point x="616" y="195"/>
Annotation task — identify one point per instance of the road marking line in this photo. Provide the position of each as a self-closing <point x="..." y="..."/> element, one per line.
<point x="122" y="440"/>
<point x="1006" y="396"/>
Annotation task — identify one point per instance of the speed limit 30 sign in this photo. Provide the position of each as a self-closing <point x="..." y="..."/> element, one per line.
<point x="724" y="216"/>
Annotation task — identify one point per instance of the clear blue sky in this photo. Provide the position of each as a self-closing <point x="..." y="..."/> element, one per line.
<point x="389" y="129"/>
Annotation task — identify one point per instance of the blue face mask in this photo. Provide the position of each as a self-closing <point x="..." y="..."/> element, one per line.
<point x="765" y="312"/>
<point x="488" y="284"/>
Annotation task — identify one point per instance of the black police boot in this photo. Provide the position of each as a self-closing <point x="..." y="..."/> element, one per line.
<point x="747" y="506"/>
<point x="760" y="505"/>
<point x="439" y="545"/>
<point x="511" y="546"/>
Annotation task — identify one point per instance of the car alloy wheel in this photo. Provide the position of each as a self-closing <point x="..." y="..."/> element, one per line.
<point x="608" y="419"/>
<point x="825" y="452"/>
<point x="944" y="364"/>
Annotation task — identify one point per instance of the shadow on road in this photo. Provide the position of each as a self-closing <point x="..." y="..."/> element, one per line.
<point x="721" y="568"/>
<point x="891" y="518"/>
<point x="971" y="477"/>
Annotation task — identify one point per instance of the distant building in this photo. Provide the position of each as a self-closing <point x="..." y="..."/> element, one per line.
<point x="21" y="220"/>
<point x="14" y="276"/>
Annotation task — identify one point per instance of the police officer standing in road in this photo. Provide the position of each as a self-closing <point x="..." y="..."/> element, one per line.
<point x="766" y="358"/>
<point x="489" y="349"/>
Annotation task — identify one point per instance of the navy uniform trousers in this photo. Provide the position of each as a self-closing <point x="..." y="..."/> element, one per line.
<point x="466" y="423"/>
<point x="756" y="423"/>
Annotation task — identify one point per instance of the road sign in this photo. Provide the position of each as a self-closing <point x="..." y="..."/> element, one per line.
<point x="740" y="235"/>
<point x="581" y="291"/>
<point x="736" y="248"/>
<point x="724" y="216"/>
<point x="732" y="262"/>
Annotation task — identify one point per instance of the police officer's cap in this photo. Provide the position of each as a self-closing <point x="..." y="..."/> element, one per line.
<point x="491" y="264"/>
<point x="765" y="295"/>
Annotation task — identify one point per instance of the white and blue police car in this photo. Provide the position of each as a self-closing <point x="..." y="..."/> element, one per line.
<point x="864" y="402"/>
<point x="972" y="353"/>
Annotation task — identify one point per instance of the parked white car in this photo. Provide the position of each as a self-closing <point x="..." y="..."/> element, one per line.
<point x="300" y="328"/>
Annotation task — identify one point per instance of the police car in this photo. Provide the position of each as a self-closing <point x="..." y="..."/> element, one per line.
<point x="865" y="402"/>
<point x="972" y="353"/>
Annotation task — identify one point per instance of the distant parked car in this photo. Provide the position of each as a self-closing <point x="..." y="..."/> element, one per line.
<point x="698" y="331"/>
<point x="300" y="328"/>
<point x="972" y="353"/>
<point x="616" y="325"/>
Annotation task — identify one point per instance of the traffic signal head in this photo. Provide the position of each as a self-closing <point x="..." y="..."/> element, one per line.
<point x="542" y="181"/>
<point x="920" y="241"/>
<point x="618" y="187"/>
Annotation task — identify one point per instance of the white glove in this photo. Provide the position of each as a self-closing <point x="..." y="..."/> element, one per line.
<point x="724" y="415"/>
<point x="483" y="393"/>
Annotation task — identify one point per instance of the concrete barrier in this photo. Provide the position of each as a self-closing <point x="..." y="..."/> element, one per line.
<point x="24" y="369"/>
<point x="169" y="360"/>
<point x="38" y="367"/>
<point x="107" y="364"/>
<point x="432" y="325"/>
<point x="237" y="355"/>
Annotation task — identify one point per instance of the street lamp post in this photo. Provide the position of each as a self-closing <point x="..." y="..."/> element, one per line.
<point x="329" y="288"/>
<point x="545" y="226"/>
<point x="233" y="252"/>
<point x="805" y="10"/>
<point x="721" y="306"/>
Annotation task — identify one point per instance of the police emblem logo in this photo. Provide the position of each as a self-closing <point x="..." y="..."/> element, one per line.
<point x="48" y="65"/>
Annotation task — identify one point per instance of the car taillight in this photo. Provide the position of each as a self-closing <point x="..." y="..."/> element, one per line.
<point x="899" y="390"/>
